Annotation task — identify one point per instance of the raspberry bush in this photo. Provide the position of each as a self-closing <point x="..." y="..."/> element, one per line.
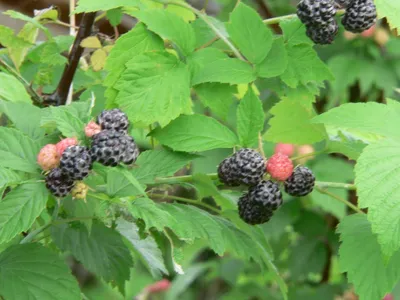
<point x="240" y="150"/>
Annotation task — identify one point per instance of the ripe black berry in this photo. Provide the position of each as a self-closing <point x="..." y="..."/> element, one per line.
<point x="253" y="212"/>
<point x="301" y="182"/>
<point x="323" y="35"/>
<point x="316" y="13"/>
<point x="360" y="15"/>
<point x="76" y="162"/>
<point x="58" y="183"/>
<point x="246" y="166"/>
<point x="266" y="193"/>
<point x="110" y="147"/>
<point x="113" y="119"/>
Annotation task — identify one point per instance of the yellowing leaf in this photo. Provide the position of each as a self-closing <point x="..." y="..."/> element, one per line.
<point x="91" y="42"/>
<point x="98" y="59"/>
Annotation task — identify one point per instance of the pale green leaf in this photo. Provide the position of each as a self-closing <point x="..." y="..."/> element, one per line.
<point x="378" y="190"/>
<point x="249" y="33"/>
<point x="18" y="151"/>
<point x="304" y="66"/>
<point x="360" y="254"/>
<point x="276" y="61"/>
<point x="212" y="65"/>
<point x="346" y="145"/>
<point x="20" y="208"/>
<point x="154" y="88"/>
<point x="217" y="96"/>
<point x="28" y="33"/>
<point x="118" y="184"/>
<point x="12" y="90"/>
<point x="292" y="124"/>
<point x="114" y="16"/>
<point x="67" y="123"/>
<point x="10" y="41"/>
<point x="159" y="163"/>
<point x="31" y="271"/>
<point x="202" y="32"/>
<point x="170" y="27"/>
<point x="294" y="32"/>
<point x="146" y="249"/>
<point x="103" y="252"/>
<point x="389" y="9"/>
<point x="195" y="133"/>
<point x="90" y="5"/>
<point x="358" y="117"/>
<point x="250" y="119"/>
<point x="8" y="177"/>
<point x="30" y="123"/>
<point x="34" y="21"/>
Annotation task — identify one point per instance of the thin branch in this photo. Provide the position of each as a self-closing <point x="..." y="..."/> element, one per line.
<point x="180" y="199"/>
<point x="34" y="233"/>
<point x="336" y="197"/>
<point x="336" y="185"/>
<point x="35" y="96"/>
<point x="311" y="154"/>
<point x="59" y="97"/>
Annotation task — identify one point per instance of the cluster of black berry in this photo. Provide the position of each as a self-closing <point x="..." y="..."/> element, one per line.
<point x="248" y="167"/>
<point x="70" y="162"/>
<point x="319" y="17"/>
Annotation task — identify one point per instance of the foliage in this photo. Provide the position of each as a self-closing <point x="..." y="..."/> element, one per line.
<point x="196" y="87"/>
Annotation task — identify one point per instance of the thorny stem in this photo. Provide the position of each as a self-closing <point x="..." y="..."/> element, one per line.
<point x="180" y="199"/>
<point x="336" y="197"/>
<point x="206" y="20"/>
<point x="35" y="96"/>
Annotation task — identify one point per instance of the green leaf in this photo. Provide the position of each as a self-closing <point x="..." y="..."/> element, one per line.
<point x="34" y="21"/>
<point x="250" y="119"/>
<point x="159" y="163"/>
<point x="8" y="177"/>
<point x="276" y="61"/>
<point x="118" y="185"/>
<point x="294" y="32"/>
<point x="90" y="5"/>
<point x="389" y="9"/>
<point x="103" y="252"/>
<point x="292" y="124"/>
<point x="249" y="33"/>
<point x="346" y="145"/>
<point x="20" y="208"/>
<point x="170" y="27"/>
<point x="154" y="88"/>
<point x="146" y="249"/>
<point x="360" y="253"/>
<point x="332" y="170"/>
<point x="195" y="133"/>
<point x="12" y="90"/>
<point x="212" y="65"/>
<point x="135" y="42"/>
<point x="202" y="32"/>
<point x="217" y="96"/>
<point x="30" y="123"/>
<point x="17" y="151"/>
<point x="67" y="123"/>
<point x="304" y="66"/>
<point x="378" y="189"/>
<point x="114" y="16"/>
<point x="31" y="271"/>
<point x="28" y="33"/>
<point x="357" y="116"/>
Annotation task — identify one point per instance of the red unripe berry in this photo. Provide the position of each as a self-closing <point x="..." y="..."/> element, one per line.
<point x="48" y="157"/>
<point x="287" y="149"/>
<point x="279" y="166"/>
<point x="64" y="144"/>
<point x="388" y="297"/>
<point x="369" y="32"/>
<point x="92" y="128"/>
<point x="159" y="286"/>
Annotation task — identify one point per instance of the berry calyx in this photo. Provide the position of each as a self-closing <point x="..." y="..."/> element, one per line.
<point x="113" y="119"/>
<point x="64" y="144"/>
<point x="287" y="149"/>
<point x="80" y="191"/>
<point x="300" y="183"/>
<point x="48" y="157"/>
<point x="246" y="166"/>
<point x="58" y="183"/>
<point x="76" y="162"/>
<point x="279" y="166"/>
<point x="92" y="128"/>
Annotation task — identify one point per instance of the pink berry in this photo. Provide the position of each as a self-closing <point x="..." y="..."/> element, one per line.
<point x="64" y="144"/>
<point x="388" y="297"/>
<point x="279" y="166"/>
<point x="304" y="150"/>
<point x="369" y="32"/>
<point x="92" y="128"/>
<point x="287" y="149"/>
<point x="159" y="286"/>
<point x="48" y="157"/>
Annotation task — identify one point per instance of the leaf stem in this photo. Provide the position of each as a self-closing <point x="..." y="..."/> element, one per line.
<point x="34" y="233"/>
<point x="180" y="199"/>
<point x="277" y="20"/>
<point x="206" y="20"/>
<point x="336" y="197"/>
<point x="335" y="185"/>
<point x="35" y="96"/>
